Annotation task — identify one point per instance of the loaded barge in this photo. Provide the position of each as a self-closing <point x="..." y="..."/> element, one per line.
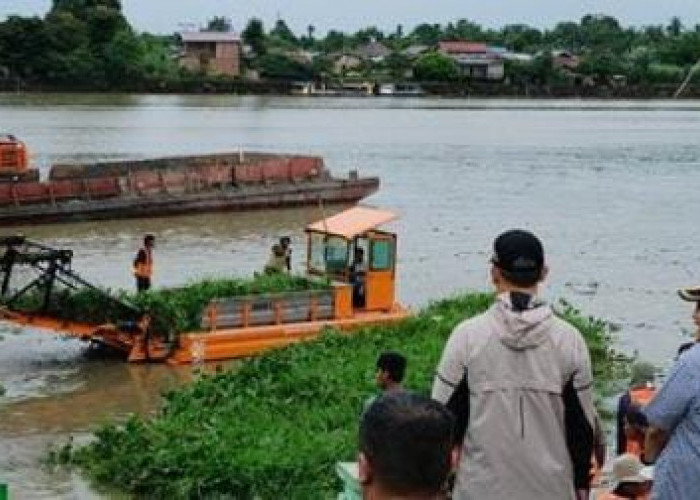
<point x="179" y="185"/>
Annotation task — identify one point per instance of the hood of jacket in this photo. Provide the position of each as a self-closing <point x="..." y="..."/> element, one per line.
<point x="521" y="327"/>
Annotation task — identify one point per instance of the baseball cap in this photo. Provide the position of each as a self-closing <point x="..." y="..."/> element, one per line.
<point x="642" y="373"/>
<point x="519" y="253"/>
<point x="691" y="294"/>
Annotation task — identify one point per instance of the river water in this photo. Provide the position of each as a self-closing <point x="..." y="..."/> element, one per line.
<point x="611" y="188"/>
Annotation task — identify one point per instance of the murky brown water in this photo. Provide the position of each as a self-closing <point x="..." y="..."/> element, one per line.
<point x="610" y="187"/>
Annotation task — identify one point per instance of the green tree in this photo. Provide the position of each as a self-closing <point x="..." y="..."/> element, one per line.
<point x="254" y="35"/>
<point x="398" y="65"/>
<point x="426" y="34"/>
<point x="25" y="48"/>
<point x="282" y="32"/>
<point x="219" y="23"/>
<point x="335" y="41"/>
<point x="279" y="66"/>
<point x="436" y="67"/>
<point x="675" y="26"/>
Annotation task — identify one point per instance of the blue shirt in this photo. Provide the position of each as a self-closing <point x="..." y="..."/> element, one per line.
<point x="676" y="410"/>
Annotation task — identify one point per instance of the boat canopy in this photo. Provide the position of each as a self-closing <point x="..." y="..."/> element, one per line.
<point x="353" y="222"/>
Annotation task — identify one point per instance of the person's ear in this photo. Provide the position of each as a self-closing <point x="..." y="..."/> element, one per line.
<point x="364" y="469"/>
<point x="455" y="457"/>
<point x="496" y="277"/>
<point x="544" y="273"/>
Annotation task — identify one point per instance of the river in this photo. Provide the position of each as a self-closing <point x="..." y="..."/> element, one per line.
<point x="610" y="187"/>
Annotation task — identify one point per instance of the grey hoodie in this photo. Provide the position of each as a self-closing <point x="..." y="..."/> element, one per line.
<point x="519" y="382"/>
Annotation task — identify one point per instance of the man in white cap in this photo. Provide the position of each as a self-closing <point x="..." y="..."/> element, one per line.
<point x="632" y="479"/>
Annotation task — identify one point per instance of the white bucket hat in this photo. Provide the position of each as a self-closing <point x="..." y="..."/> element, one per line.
<point x="628" y="468"/>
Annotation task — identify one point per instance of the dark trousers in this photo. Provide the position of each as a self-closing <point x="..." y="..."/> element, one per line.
<point x="142" y="284"/>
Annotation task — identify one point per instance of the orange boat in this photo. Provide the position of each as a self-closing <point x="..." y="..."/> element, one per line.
<point x="349" y="248"/>
<point x="237" y="181"/>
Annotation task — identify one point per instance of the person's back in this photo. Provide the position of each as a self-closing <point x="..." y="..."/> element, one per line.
<point x="519" y="367"/>
<point x="675" y="413"/>
<point x="518" y="379"/>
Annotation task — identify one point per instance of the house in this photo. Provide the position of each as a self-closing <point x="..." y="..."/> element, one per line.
<point x="345" y="63"/>
<point x="476" y="60"/>
<point x="373" y="51"/>
<point x="415" y="51"/>
<point x="212" y="52"/>
<point x="565" y="60"/>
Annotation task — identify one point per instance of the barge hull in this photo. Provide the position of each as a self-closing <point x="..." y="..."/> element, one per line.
<point x="227" y="198"/>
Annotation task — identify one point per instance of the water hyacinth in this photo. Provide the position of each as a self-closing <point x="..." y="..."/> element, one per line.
<point x="173" y="310"/>
<point x="276" y="425"/>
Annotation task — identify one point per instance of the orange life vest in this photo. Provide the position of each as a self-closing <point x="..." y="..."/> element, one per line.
<point x="641" y="396"/>
<point x="144" y="269"/>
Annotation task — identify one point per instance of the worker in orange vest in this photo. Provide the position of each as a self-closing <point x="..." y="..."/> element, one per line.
<point x="143" y="264"/>
<point x="632" y="480"/>
<point x="631" y="422"/>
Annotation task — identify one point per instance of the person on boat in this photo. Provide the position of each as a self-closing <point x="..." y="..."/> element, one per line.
<point x="143" y="264"/>
<point x="277" y="263"/>
<point x="518" y="379"/>
<point x="631" y="423"/>
<point x="691" y="295"/>
<point x="631" y="479"/>
<point x="389" y="374"/>
<point x="286" y="244"/>
<point x="358" y="273"/>
<point x="406" y="448"/>
<point x="673" y="437"/>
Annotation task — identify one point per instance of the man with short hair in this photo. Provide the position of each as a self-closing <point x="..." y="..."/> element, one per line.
<point x="674" y="426"/>
<point x="143" y="264"/>
<point x="519" y="382"/>
<point x="406" y="448"/>
<point x="391" y="367"/>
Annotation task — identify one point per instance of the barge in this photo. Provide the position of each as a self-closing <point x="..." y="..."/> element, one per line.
<point x="238" y="181"/>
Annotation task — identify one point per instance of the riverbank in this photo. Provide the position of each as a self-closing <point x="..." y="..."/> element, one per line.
<point x="224" y="85"/>
<point x="276" y="426"/>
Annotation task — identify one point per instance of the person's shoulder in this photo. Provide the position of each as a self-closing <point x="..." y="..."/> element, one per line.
<point x="476" y="325"/>
<point x="691" y="356"/>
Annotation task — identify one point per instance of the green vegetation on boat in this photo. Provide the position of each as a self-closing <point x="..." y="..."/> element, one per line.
<point x="276" y="425"/>
<point x="174" y="310"/>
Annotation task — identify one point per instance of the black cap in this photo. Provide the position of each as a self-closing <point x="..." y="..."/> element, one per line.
<point x="690" y="294"/>
<point x="519" y="254"/>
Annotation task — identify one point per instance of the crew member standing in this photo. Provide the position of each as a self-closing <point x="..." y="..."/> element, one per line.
<point x="143" y="264"/>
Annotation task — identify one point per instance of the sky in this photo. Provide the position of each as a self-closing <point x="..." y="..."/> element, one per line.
<point x="167" y="16"/>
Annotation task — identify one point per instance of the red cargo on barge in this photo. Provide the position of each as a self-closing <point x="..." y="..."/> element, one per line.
<point x="170" y="186"/>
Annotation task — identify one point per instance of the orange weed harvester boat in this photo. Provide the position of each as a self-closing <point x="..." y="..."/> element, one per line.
<point x="349" y="248"/>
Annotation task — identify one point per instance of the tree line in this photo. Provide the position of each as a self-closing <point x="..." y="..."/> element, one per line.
<point x="90" y="45"/>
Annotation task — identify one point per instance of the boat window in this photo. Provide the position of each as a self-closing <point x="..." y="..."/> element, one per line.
<point x="329" y="254"/>
<point x="382" y="258"/>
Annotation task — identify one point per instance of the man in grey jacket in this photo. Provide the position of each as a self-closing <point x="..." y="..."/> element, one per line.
<point x="518" y="380"/>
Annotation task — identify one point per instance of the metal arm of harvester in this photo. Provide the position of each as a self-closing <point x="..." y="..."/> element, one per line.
<point x="53" y="266"/>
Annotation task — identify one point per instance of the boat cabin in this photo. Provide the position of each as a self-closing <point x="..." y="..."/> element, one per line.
<point x="350" y="248"/>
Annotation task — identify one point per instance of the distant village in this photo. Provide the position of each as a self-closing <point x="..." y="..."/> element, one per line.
<point x="81" y="46"/>
<point x="369" y="68"/>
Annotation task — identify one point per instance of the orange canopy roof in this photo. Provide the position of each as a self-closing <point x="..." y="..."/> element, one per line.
<point x="353" y="222"/>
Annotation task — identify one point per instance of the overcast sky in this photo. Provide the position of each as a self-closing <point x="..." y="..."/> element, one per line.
<point x="166" y="16"/>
